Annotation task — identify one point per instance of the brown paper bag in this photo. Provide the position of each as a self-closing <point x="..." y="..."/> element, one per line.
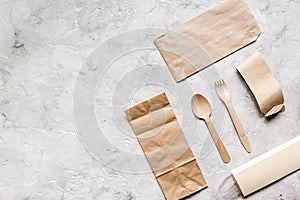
<point x="207" y="38"/>
<point x="166" y="148"/>
<point x="263" y="85"/>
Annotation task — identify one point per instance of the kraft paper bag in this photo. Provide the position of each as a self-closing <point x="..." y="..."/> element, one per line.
<point x="207" y="38"/>
<point x="166" y="147"/>
<point x="268" y="167"/>
<point x="263" y="85"/>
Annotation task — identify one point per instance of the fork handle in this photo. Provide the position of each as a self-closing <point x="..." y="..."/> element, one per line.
<point x="238" y="127"/>
<point x="218" y="142"/>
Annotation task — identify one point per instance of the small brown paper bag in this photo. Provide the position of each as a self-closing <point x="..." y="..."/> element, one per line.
<point x="166" y="147"/>
<point x="262" y="84"/>
<point x="207" y="38"/>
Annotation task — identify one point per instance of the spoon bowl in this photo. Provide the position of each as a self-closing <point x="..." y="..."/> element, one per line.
<point x="201" y="106"/>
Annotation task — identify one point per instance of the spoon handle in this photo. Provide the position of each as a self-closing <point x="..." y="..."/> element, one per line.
<point x="218" y="142"/>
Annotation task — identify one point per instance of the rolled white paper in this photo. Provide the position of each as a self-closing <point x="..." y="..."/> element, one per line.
<point x="268" y="167"/>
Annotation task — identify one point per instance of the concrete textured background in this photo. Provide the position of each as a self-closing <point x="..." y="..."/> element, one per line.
<point x="43" y="46"/>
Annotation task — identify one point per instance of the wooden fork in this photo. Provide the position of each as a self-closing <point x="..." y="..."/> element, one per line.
<point x="223" y="93"/>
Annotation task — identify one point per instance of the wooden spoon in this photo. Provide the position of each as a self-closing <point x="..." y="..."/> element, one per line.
<point x="202" y="110"/>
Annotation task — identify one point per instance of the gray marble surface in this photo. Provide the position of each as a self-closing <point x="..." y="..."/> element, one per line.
<point x="63" y="61"/>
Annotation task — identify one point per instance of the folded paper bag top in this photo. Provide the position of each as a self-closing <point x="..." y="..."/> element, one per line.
<point x="207" y="38"/>
<point x="166" y="147"/>
<point x="263" y="85"/>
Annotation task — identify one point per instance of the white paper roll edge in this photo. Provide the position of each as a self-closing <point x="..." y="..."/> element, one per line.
<point x="268" y="167"/>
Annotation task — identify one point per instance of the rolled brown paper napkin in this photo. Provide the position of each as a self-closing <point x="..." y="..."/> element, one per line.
<point x="207" y="38"/>
<point x="268" y="167"/>
<point x="166" y="148"/>
<point x="263" y="85"/>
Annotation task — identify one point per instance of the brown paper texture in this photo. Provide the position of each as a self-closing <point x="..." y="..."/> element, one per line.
<point x="166" y="147"/>
<point x="268" y="167"/>
<point x="263" y="85"/>
<point x="207" y="38"/>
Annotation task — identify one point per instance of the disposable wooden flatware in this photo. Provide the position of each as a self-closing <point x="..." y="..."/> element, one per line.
<point x="223" y="93"/>
<point x="202" y="110"/>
